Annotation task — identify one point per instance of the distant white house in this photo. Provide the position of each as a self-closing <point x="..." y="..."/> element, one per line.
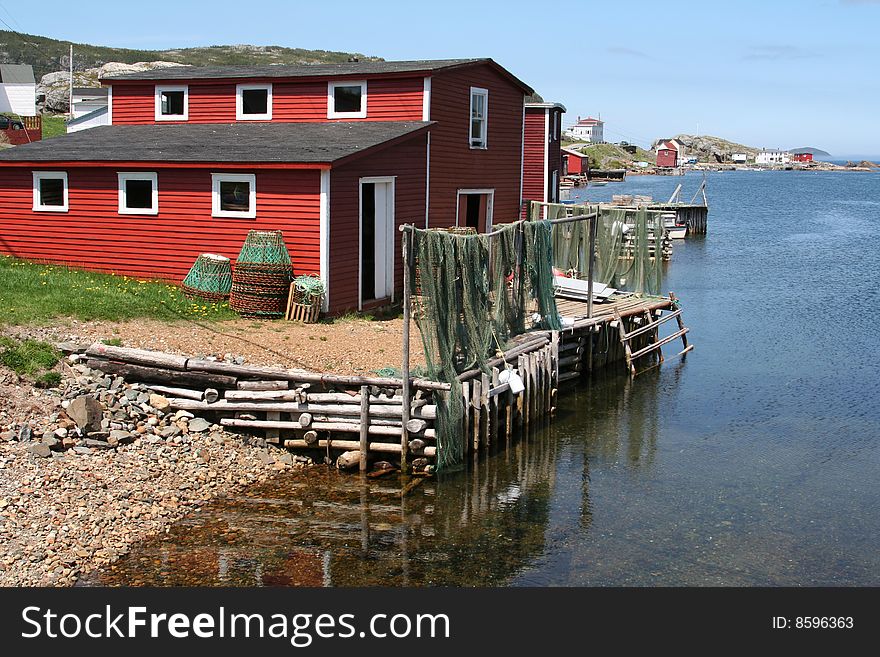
<point x="87" y="99"/>
<point x="18" y="89"/>
<point x="93" y="119"/>
<point x="773" y="156"/>
<point x="739" y="158"/>
<point x="588" y="129"/>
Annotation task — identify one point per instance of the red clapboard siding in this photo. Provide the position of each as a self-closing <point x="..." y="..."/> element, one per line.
<point x="533" y="156"/>
<point x="454" y="165"/>
<point x="392" y="99"/>
<point x="407" y="162"/>
<point x="554" y="155"/>
<point x="93" y="235"/>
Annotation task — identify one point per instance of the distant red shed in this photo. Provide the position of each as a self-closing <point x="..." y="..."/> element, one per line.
<point x="802" y="157"/>
<point x="576" y="163"/>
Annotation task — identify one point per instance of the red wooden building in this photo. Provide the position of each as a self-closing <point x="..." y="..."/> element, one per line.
<point x="542" y="154"/>
<point x="336" y="156"/>
<point x="801" y="157"/>
<point x="668" y="153"/>
<point x="575" y="163"/>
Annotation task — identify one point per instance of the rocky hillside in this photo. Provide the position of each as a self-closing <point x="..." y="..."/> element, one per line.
<point x="47" y="55"/>
<point x="706" y="147"/>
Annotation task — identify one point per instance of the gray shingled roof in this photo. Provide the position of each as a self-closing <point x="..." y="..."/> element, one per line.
<point x="222" y="142"/>
<point x="16" y="74"/>
<point x="291" y="70"/>
<point x="308" y="70"/>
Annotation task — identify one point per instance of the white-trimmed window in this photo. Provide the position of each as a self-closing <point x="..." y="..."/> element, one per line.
<point x="138" y="192"/>
<point x="347" y="100"/>
<point x="172" y="102"/>
<point x="50" y="191"/>
<point x="479" y="117"/>
<point x="234" y="195"/>
<point x="253" y="102"/>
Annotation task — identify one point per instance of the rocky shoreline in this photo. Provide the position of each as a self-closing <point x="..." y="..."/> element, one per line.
<point x="95" y="465"/>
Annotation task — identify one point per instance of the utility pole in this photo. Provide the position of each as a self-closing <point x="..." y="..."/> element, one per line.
<point x="70" y="99"/>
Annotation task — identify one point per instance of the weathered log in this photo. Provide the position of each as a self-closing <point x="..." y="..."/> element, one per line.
<point x="416" y="425"/>
<point x="263" y="395"/>
<point x="310" y="437"/>
<point x="263" y="385"/>
<point x="428" y="412"/>
<point x="131" y="372"/>
<point x="348" y="460"/>
<point x="137" y="356"/>
<point x="176" y="392"/>
<point x="509" y="355"/>
<point x="333" y="427"/>
<point x="211" y="395"/>
<point x="345" y="398"/>
<point x="385" y="448"/>
<point x="305" y="419"/>
<point x="277" y="373"/>
<point x="416" y="445"/>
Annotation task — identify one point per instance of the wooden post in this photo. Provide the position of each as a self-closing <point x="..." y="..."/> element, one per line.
<point x="365" y="423"/>
<point x="404" y="437"/>
<point x="592" y="264"/>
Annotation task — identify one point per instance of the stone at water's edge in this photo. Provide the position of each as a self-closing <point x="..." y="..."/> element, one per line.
<point x="87" y="413"/>
<point x="159" y="402"/>
<point x="197" y="425"/>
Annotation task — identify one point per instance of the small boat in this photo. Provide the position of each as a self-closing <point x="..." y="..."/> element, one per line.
<point x="674" y="230"/>
<point x="598" y="183"/>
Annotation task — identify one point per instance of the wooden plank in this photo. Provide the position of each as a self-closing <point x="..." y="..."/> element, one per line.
<point x="493" y="407"/>
<point x="657" y="345"/>
<point x="137" y="356"/>
<point x="486" y="421"/>
<point x="262" y="385"/>
<point x="476" y="393"/>
<point x="131" y="372"/>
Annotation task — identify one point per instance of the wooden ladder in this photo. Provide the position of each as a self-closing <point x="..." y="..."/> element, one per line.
<point x="652" y="327"/>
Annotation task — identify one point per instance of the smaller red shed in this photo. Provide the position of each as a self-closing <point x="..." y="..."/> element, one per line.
<point x="576" y="163"/>
<point x="802" y="157"/>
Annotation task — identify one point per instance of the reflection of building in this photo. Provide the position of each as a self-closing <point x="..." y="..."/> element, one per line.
<point x="588" y="129"/>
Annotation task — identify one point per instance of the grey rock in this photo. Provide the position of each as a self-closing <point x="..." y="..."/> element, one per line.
<point x="86" y="412"/>
<point x="197" y="425"/>
<point x="25" y="433"/>
<point x="40" y="450"/>
<point x="51" y="442"/>
<point x="98" y="435"/>
<point x="121" y="437"/>
<point x="80" y="449"/>
<point x="97" y="444"/>
<point x="170" y="432"/>
<point x="132" y="395"/>
<point x="286" y="457"/>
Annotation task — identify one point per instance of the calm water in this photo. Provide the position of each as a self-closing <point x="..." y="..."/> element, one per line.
<point x="754" y="462"/>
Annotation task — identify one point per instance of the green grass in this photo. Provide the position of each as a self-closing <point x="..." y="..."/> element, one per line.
<point x="53" y="126"/>
<point x="37" y="294"/>
<point x="29" y="356"/>
<point x="112" y="342"/>
<point x="48" y="380"/>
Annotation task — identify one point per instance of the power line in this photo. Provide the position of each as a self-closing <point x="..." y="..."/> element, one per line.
<point x="9" y="13"/>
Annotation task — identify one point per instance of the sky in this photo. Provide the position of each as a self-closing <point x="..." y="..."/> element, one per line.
<point x="769" y="73"/>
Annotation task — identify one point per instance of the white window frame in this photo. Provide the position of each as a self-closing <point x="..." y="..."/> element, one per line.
<point x="125" y="176"/>
<point x="49" y="175"/>
<point x="217" y="178"/>
<point x="490" y="204"/>
<point x="239" y="102"/>
<point x="478" y="91"/>
<point x="160" y="88"/>
<point x="331" y="99"/>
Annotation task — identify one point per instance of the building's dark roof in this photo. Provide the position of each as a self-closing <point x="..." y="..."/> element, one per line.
<point x="16" y="74"/>
<point x="221" y="142"/>
<point x="97" y="92"/>
<point x="88" y="117"/>
<point x="306" y="70"/>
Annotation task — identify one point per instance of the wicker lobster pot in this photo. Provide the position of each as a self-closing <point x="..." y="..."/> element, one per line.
<point x="261" y="278"/>
<point x="209" y="278"/>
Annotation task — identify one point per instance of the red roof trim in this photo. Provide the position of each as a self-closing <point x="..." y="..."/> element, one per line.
<point x="149" y="164"/>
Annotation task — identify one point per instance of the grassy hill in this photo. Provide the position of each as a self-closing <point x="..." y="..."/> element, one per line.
<point x="47" y="55"/>
<point x="612" y="156"/>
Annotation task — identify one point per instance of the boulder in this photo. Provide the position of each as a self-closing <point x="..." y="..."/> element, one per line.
<point x="159" y="402"/>
<point x="40" y="450"/>
<point x="87" y="413"/>
<point x="197" y="425"/>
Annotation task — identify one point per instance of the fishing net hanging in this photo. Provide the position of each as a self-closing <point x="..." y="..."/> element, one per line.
<point x="476" y="292"/>
<point x="209" y="278"/>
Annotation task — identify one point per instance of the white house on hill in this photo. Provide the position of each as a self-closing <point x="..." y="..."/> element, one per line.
<point x="773" y="156"/>
<point x="588" y="129"/>
<point x="18" y="89"/>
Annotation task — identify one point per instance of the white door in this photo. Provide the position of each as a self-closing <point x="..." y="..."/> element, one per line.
<point x="377" y="239"/>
